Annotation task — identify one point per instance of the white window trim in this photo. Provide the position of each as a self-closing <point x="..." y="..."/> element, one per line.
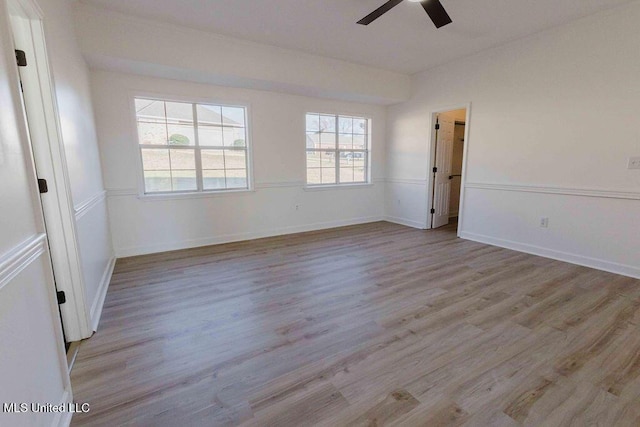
<point x="189" y="194"/>
<point x="346" y="185"/>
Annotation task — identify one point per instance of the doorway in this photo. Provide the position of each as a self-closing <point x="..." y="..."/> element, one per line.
<point x="447" y="166"/>
<point x="41" y="116"/>
<point x="20" y="27"/>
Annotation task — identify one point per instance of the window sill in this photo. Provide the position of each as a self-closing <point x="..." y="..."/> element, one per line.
<point x="153" y="197"/>
<point x="336" y="187"/>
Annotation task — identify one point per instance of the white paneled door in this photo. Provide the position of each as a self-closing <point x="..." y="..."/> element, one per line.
<point x="32" y="359"/>
<point x="442" y="180"/>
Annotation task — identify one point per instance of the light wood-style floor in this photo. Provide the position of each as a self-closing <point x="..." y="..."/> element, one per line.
<point x="371" y="325"/>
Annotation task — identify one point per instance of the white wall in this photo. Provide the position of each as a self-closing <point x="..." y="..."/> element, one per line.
<point x="81" y="149"/>
<point x="554" y="119"/>
<point x="119" y="42"/>
<point x="277" y="120"/>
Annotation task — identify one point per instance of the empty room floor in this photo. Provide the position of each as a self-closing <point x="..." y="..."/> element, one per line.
<point x="374" y="324"/>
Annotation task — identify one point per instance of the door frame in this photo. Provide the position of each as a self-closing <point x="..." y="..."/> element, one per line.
<point x="432" y="160"/>
<point x="50" y="161"/>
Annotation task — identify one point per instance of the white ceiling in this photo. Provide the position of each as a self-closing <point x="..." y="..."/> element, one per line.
<point x="403" y="40"/>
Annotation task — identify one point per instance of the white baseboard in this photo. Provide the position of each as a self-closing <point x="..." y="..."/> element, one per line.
<point x="407" y="222"/>
<point x="598" y="264"/>
<point x="96" y="308"/>
<point x="230" y="238"/>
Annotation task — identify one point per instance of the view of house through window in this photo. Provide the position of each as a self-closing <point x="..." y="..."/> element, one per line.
<point x="188" y="147"/>
<point x="337" y="149"/>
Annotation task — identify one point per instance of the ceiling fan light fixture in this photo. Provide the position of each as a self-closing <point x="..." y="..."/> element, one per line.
<point x="434" y="9"/>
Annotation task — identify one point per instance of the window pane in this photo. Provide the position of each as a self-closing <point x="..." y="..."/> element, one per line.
<point x="345" y="124"/>
<point x="213" y="179"/>
<point x="327" y="159"/>
<point x="360" y="126"/>
<point x="183" y="159"/>
<point x="150" y="111"/>
<point x="183" y="169"/>
<point x="233" y="137"/>
<point x="313" y="122"/>
<point x="346" y="174"/>
<point x="313" y="159"/>
<point x="359" y="174"/>
<point x="328" y="175"/>
<point x="210" y="136"/>
<point x="181" y="135"/>
<point x="345" y="141"/>
<point x="235" y="159"/>
<point x="155" y="181"/>
<point x="179" y="112"/>
<point x="237" y="178"/>
<point x="152" y="133"/>
<point x="184" y="180"/>
<point x="313" y="140"/>
<point x="240" y="140"/>
<point x="346" y="158"/>
<point x="314" y="176"/>
<point x="233" y="116"/>
<point x="359" y="159"/>
<point x="212" y="159"/>
<point x="209" y="115"/>
<point x="327" y="140"/>
<point x="328" y="123"/>
<point x="359" y="142"/>
<point x="155" y="159"/>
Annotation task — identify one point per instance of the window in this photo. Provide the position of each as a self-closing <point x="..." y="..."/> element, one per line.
<point x="337" y="149"/>
<point x="188" y="147"/>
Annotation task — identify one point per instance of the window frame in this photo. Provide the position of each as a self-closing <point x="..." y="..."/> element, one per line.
<point x="199" y="192"/>
<point x="337" y="150"/>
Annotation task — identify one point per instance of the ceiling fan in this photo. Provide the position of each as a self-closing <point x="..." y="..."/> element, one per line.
<point x="434" y="9"/>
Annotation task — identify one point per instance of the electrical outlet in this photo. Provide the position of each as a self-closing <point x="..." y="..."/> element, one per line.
<point x="634" y="163"/>
<point x="544" y="222"/>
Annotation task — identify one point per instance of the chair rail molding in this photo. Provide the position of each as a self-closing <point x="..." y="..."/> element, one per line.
<point x="567" y="191"/>
<point x="407" y="181"/>
<point x="89" y="204"/>
<point x="19" y="257"/>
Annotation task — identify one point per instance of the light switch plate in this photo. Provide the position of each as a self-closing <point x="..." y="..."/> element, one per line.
<point x="634" y="163"/>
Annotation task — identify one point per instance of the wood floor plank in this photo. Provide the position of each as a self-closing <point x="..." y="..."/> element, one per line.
<point x="437" y="413"/>
<point x="393" y="406"/>
<point x="374" y="324"/>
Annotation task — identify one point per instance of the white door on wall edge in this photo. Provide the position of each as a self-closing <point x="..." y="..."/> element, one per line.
<point x="442" y="181"/>
<point x="33" y="366"/>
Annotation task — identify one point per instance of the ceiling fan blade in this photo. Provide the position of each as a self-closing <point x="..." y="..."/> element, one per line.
<point x="436" y="12"/>
<point x="379" y="12"/>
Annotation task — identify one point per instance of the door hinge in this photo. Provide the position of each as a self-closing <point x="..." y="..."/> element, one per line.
<point x="433" y="211"/>
<point x="62" y="298"/>
<point x="435" y="170"/>
<point x="21" y="57"/>
<point x="437" y="126"/>
<point x="42" y="186"/>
